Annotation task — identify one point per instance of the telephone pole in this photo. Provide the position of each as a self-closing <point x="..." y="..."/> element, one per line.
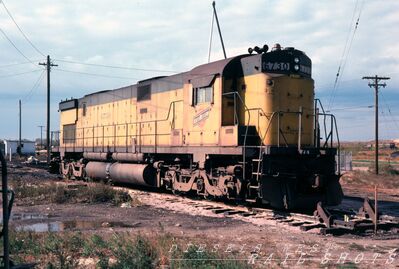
<point x="374" y="82"/>
<point x="41" y="136"/>
<point x="48" y="64"/>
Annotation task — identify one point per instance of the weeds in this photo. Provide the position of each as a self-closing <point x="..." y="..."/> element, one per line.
<point x="119" y="251"/>
<point x="57" y="193"/>
<point x="194" y="257"/>
<point x="389" y="170"/>
<point x="134" y="254"/>
<point x="367" y="179"/>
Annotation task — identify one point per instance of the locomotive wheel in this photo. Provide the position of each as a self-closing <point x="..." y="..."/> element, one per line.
<point x="176" y="192"/>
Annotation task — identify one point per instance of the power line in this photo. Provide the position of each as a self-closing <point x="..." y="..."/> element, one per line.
<point x="346" y="44"/>
<point x="14" y="64"/>
<point x="118" y="67"/>
<point x="19" y="51"/>
<point x="20" y="30"/>
<point x="342" y="65"/>
<point x="389" y="111"/>
<point x="93" y="74"/>
<point x="349" y="108"/>
<point x="18" y="74"/>
<point x="37" y="83"/>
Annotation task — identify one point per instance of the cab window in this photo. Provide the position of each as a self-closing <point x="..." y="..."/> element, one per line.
<point x="203" y="95"/>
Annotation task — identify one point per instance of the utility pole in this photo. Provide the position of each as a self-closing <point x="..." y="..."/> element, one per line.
<point x="375" y="83"/>
<point x="48" y="64"/>
<point x="41" y="136"/>
<point x="20" y="129"/>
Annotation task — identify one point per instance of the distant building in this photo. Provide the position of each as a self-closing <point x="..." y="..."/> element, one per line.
<point x="11" y="146"/>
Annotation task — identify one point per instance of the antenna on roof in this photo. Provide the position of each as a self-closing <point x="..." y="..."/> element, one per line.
<point x="215" y="16"/>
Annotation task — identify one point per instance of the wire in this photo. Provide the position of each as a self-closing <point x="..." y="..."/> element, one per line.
<point x="348" y="48"/>
<point x="14" y="64"/>
<point x="37" y="83"/>
<point x="389" y="111"/>
<point x="349" y="108"/>
<point x="118" y="67"/>
<point x="18" y="74"/>
<point x="346" y="44"/>
<point x="12" y="43"/>
<point x="93" y="74"/>
<point x="20" y="30"/>
<point x="180" y="83"/>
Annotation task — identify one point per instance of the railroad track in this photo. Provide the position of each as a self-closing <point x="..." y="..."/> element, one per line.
<point x="333" y="220"/>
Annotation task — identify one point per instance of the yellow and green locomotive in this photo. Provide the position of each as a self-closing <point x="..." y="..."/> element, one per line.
<point x="244" y="128"/>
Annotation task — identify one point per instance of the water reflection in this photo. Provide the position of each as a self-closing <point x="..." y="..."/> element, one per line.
<point x="59" y="226"/>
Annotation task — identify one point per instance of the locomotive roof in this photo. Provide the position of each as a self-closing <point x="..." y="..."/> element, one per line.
<point x="214" y="68"/>
<point x="200" y="76"/>
<point x="203" y="75"/>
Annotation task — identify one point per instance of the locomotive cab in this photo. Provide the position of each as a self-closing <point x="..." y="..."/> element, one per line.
<point x="293" y="169"/>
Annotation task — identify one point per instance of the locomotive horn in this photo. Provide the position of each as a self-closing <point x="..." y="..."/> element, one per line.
<point x="258" y="50"/>
<point x="265" y="48"/>
<point x="250" y="50"/>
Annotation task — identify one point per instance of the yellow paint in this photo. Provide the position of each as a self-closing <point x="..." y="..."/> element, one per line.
<point x="120" y="123"/>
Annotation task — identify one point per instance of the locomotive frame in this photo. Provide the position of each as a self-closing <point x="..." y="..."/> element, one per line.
<point x="244" y="128"/>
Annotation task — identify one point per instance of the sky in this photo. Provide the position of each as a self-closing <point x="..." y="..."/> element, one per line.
<point x="165" y="36"/>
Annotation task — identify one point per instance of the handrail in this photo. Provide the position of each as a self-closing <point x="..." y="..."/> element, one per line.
<point x="246" y="129"/>
<point x="273" y="114"/>
<point x="261" y="144"/>
<point x="137" y="123"/>
<point x="329" y="137"/>
<point x="318" y="101"/>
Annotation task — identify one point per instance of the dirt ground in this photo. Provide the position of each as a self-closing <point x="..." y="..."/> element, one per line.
<point x="258" y="242"/>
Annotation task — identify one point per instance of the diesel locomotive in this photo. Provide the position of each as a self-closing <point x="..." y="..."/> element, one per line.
<point x="246" y="128"/>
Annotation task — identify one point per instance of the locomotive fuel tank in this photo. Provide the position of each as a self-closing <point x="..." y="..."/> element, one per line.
<point x="136" y="174"/>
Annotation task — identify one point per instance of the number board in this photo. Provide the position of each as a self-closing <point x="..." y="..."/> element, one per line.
<point x="283" y="62"/>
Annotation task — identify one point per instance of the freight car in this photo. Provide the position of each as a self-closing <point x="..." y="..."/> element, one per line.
<point x="244" y="128"/>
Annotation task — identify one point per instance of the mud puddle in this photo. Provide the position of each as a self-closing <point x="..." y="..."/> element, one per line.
<point x="48" y="225"/>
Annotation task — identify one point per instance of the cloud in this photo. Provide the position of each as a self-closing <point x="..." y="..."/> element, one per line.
<point x="174" y="35"/>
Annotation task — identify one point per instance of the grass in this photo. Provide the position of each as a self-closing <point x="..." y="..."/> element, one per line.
<point x="59" y="193"/>
<point x="194" y="258"/>
<point x="388" y="179"/>
<point x="116" y="251"/>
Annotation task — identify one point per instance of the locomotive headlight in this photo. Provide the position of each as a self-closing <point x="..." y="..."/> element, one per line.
<point x="296" y="67"/>
<point x="296" y="60"/>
